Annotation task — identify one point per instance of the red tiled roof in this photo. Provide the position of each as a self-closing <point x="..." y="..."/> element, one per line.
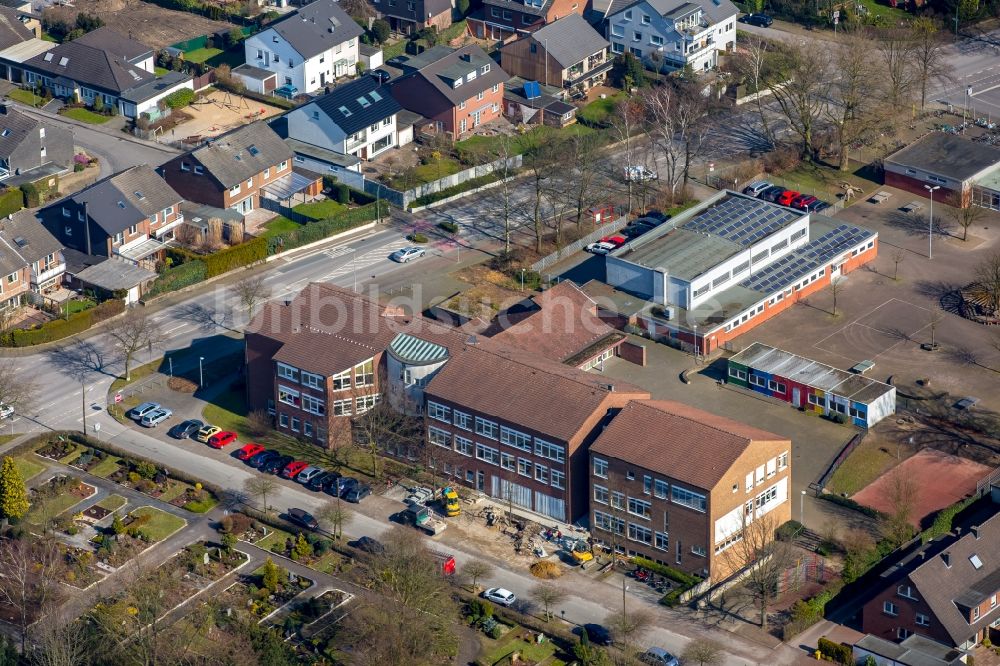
<point x="683" y="442"/>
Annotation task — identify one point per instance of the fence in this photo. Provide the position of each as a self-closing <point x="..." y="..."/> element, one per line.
<point x="577" y="245"/>
<point x="838" y="461"/>
<point x="403" y="199"/>
<point x="987" y="482"/>
<point x="728" y="182"/>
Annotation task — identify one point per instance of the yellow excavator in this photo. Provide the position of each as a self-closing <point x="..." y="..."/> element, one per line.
<point x="452" y="507"/>
<point x="581" y="552"/>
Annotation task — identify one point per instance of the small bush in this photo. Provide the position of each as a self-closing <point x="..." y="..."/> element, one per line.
<point x="11" y="201"/>
<point x="343" y="193"/>
<point x="417" y="238"/>
<point x="673" y="574"/>
<point x="835" y="651"/>
<point x="450" y="227"/>
<point x="546" y="570"/>
<point x="179" y="99"/>
<point x="496" y="631"/>
<point x="788" y="530"/>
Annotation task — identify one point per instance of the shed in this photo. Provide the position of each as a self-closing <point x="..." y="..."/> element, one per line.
<point x="256" y="79"/>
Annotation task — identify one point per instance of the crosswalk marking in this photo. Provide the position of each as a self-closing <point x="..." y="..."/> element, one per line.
<point x="365" y="260"/>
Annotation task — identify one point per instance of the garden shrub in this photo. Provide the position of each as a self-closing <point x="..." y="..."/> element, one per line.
<point x="234" y="257"/>
<point x="32" y="198"/>
<point x="788" y="530"/>
<point x="496" y="631"/>
<point x="450" y="227"/>
<point x="179" y="99"/>
<point x="943" y="520"/>
<point x="835" y="651"/>
<point x="178" y="277"/>
<point x="851" y="504"/>
<point x="685" y="579"/>
<point x="320" y="229"/>
<point x="343" y="193"/>
<point x="417" y="238"/>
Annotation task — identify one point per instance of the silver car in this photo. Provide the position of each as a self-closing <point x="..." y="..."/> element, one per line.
<point x="308" y="474"/>
<point x="155" y="417"/>
<point x="141" y="410"/>
<point x="407" y="253"/>
<point x="657" y="656"/>
<point x="499" y="595"/>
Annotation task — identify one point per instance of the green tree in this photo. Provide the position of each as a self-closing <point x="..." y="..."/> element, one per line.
<point x="13" y="493"/>
<point x="117" y="526"/>
<point x="272" y="575"/>
<point x="381" y="30"/>
<point x="98" y="104"/>
<point x="463" y="7"/>
<point x="628" y="72"/>
<point x="229" y="541"/>
<point x="587" y="653"/>
<point x="302" y="548"/>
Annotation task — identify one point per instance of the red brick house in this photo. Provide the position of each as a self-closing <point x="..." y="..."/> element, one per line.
<point x="504" y="20"/>
<point x="947" y="590"/>
<point x="456" y="89"/>
<point x="409" y="16"/>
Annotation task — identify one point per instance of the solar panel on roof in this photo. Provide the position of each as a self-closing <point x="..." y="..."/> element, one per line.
<point x="532" y="90"/>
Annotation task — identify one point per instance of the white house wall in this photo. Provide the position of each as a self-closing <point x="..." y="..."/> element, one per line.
<point x="630" y="277"/>
<point x="881" y="407"/>
<point x="319" y="131"/>
<point x="262" y="49"/>
<point x="621" y="34"/>
<point x="149" y="104"/>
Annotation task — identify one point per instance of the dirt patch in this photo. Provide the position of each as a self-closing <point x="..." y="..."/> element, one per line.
<point x="491" y="292"/>
<point x="96" y="513"/>
<point x="182" y="385"/>
<point x="220" y="112"/>
<point x="176" y="117"/>
<point x="152" y="25"/>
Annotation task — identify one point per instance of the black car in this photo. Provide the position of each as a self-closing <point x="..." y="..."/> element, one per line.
<point x="370" y="545"/>
<point x="303" y="518"/>
<point x="338" y="486"/>
<point x="317" y="482"/>
<point x="772" y="193"/>
<point x="275" y="465"/>
<point x="598" y="634"/>
<point x="357" y="492"/>
<point x="759" y="20"/>
<point x="380" y="75"/>
<point x="185" y="429"/>
<point x="263" y="458"/>
<point x="345" y="484"/>
<point x="817" y="206"/>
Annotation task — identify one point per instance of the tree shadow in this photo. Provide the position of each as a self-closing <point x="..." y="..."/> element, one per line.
<point x="203" y="317"/>
<point x="80" y="359"/>
<point x="938" y="290"/>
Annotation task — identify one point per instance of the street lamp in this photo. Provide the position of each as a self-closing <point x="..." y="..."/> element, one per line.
<point x="201" y="374"/>
<point x="522" y="279"/>
<point x="802" y="508"/>
<point x="930" y="223"/>
<point x="695" y="341"/>
<point x="624" y="588"/>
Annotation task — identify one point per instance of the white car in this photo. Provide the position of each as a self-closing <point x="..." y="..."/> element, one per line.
<point x="639" y="173"/>
<point x="499" y="595"/>
<point x="155" y="417"/>
<point x="407" y="253"/>
<point x="141" y="410"/>
<point x="600" y="248"/>
<point x="6" y="411"/>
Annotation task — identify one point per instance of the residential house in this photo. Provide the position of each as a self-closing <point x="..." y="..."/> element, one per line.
<point x="15" y="279"/>
<point x="104" y="64"/>
<point x="532" y="103"/>
<point x="309" y="48"/>
<point x="503" y="20"/>
<point x="25" y="14"/>
<point x="409" y="16"/>
<point x="679" y="485"/>
<point x="31" y="148"/>
<point x="12" y="27"/>
<point x="567" y="53"/>
<point x="39" y="249"/>
<point x="330" y="354"/>
<point x="130" y="215"/>
<point x="672" y="34"/>
<point x="232" y="170"/>
<point x="357" y="118"/>
<point x="456" y="89"/>
<point x="947" y="590"/>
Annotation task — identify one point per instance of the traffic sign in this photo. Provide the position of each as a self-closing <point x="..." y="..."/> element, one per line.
<point x="97" y="427"/>
<point x="118" y="398"/>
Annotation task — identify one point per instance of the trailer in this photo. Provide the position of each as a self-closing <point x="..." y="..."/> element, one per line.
<point x="423" y="519"/>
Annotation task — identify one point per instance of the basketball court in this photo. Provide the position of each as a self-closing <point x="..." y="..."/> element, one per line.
<point x="873" y="334"/>
<point x="941" y="479"/>
<point x="219" y="112"/>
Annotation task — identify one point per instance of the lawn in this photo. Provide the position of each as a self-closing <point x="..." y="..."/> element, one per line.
<point x="276" y="537"/>
<point x="530" y="652"/>
<point x="439" y="168"/>
<point x="893" y="15"/>
<point x="161" y="524"/>
<point x="137" y="372"/>
<point x="112" y="502"/>
<point x="176" y="489"/>
<point x="85" y="116"/>
<point x="28" y="468"/>
<point x="106" y="467"/>
<point x="201" y="506"/>
<point x="227" y="412"/>
<point x="160" y="71"/>
<point x="327" y="563"/>
<point x="78" y="305"/>
<point x="824" y="181"/>
<point x="52" y="508"/>
<point x="487" y="143"/>
<point x="598" y="111"/>
<point x="72" y="455"/>
<point x="201" y="55"/>
<point x="25" y="97"/>
<point x="279" y="225"/>
<point x="865" y="464"/>
<point x="7" y="438"/>
<point x="319" y="210"/>
<point x="390" y="51"/>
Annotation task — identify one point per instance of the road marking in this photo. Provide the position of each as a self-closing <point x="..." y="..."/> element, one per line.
<point x="334" y="252"/>
<point x="365" y="260"/>
<point x="175" y="328"/>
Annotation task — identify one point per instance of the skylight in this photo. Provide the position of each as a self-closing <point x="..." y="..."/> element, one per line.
<point x="121" y="204"/>
<point x="6" y="132"/>
<point x="253" y="150"/>
<point x="139" y="195"/>
<point x="344" y="110"/>
<point x="63" y="61"/>
<point x="48" y="57"/>
<point x="976" y="562"/>
<point x="21" y="241"/>
<point x="375" y="96"/>
<point x="363" y="101"/>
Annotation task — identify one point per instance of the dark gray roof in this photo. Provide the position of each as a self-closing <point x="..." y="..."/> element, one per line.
<point x="115" y="43"/>
<point x="915" y="650"/>
<point x="10" y="260"/>
<point x="570" y="40"/>
<point x="718" y="10"/>
<point x="154" y="87"/>
<point x="254" y="72"/>
<point x="457" y="64"/>
<point x="199" y="214"/>
<point x="947" y="155"/>
<point x="242" y="153"/>
<point x="421" y="11"/>
<point x="322" y="154"/>
<point x="520" y="6"/>
<point x="91" y="66"/>
<point x="15" y="4"/>
<point x="12" y="31"/>
<point x="14" y="126"/>
<point x="358" y="104"/>
<point x="119" y="201"/>
<point x="317" y="27"/>
<point x="25" y="233"/>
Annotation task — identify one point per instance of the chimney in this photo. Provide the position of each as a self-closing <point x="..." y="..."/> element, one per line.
<point x="946" y="556"/>
<point x="3" y="109"/>
<point x="472" y="340"/>
<point x="287" y="303"/>
<point x="976" y="531"/>
<point x="610" y="388"/>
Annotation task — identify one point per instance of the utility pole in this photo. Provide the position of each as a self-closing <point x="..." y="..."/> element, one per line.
<point x="930" y="222"/>
<point x="83" y="403"/>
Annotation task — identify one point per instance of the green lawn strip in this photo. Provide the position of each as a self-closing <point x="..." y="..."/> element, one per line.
<point x="52" y="508"/>
<point x="865" y="464"/>
<point x="279" y="225"/>
<point x="390" y="51"/>
<point x="72" y="455"/>
<point x="106" y="467"/>
<point x="327" y="563"/>
<point x="823" y="181"/>
<point x="85" y="116"/>
<point x="276" y="537"/>
<point x="161" y="524"/>
<point x="136" y="372"/>
<point x="227" y="411"/>
<point x="28" y="468"/>
<point x="454" y="31"/>
<point x="600" y="110"/>
<point x="489" y="143"/>
<point x="893" y="15"/>
<point x="201" y="506"/>
<point x="176" y="489"/>
<point x="112" y="502"/>
<point x="7" y="438"/>
<point x="234" y="57"/>
<point x="319" y="210"/>
<point x="25" y="97"/>
<point x="160" y="71"/>
<point x="78" y="305"/>
<point x="201" y="55"/>
<point x="530" y="652"/>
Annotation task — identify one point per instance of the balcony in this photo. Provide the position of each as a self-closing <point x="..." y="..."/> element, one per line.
<point x="54" y="270"/>
<point x="351" y="144"/>
<point x="573" y="78"/>
<point x="159" y="233"/>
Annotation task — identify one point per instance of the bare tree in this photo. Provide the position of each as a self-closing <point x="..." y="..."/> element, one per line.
<point x="896" y="55"/>
<point x="29" y="580"/>
<point x="754" y="64"/>
<point x="132" y="334"/>
<point x="473" y="570"/>
<point x="988" y="280"/>
<point x="59" y="642"/>
<point x="802" y="91"/>
<point x="626" y="125"/>
<point x="588" y="186"/>
<point x="382" y="426"/>
<point x="855" y="108"/>
<point x="17" y="391"/>
<point x="260" y="485"/>
<point x="692" y="108"/>
<point x="626" y="628"/>
<point x="502" y="197"/>
<point x="898" y="255"/>
<point x="902" y="496"/>
<point x="930" y="59"/>
<point x="763" y="560"/>
<point x="963" y="215"/>
<point x="547" y="595"/>
<point x="703" y="652"/>
<point x="379" y="632"/>
<point x="251" y="292"/>
<point x="662" y="112"/>
<point x="359" y="9"/>
<point x="335" y="514"/>
<point x="836" y="286"/>
<point x="934" y="321"/>
<point x="407" y="573"/>
<point x="540" y="156"/>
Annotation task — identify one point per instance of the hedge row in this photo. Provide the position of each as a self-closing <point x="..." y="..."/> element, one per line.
<point x="837" y="652"/>
<point x="851" y="504"/>
<point x="57" y="329"/>
<point x="944" y="519"/>
<point x="470" y="184"/>
<point x="676" y="575"/>
<point x="807" y="613"/>
<point x="235" y="257"/>
<point x="11" y="201"/>
<point x="320" y="229"/>
<point x="178" y="277"/>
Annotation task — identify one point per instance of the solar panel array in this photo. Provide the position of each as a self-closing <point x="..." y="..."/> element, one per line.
<point x="806" y="260"/>
<point x="741" y="220"/>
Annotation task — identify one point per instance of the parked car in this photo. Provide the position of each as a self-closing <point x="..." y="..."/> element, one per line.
<point x="638" y="173"/>
<point x="275" y="465"/>
<point x="771" y="194"/>
<point x="817" y="206"/>
<point x="206" y="433"/>
<point x="634" y="230"/>
<point x="308" y="474"/>
<point x="320" y="482"/>
<point x="802" y="201"/>
<point x="6" y="411"/>
<point x="370" y="545"/>
<point x="249" y="451"/>
<point x="754" y="189"/>
<point x="600" y="248"/>
<point x="185" y="429"/>
<point x="141" y="410"/>
<point x="598" y="634"/>
<point x="292" y="469"/>
<point x="357" y="493"/>
<point x="258" y="461"/>
<point x="759" y="20"/>
<point x="221" y="439"/>
<point x="617" y="241"/>
<point x="342" y="485"/>
<point x="787" y="197"/>
<point x="657" y="656"/>
<point x="156" y="417"/>
<point x="499" y="595"/>
<point x="380" y="75"/>
<point x="406" y="254"/>
<point x="303" y="518"/>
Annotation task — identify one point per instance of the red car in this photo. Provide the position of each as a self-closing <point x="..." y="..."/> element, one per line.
<point x="292" y="469"/>
<point x="802" y="201"/>
<point x="617" y="241"/>
<point x="249" y="451"/>
<point x="221" y="439"/>
<point x="787" y="197"/>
